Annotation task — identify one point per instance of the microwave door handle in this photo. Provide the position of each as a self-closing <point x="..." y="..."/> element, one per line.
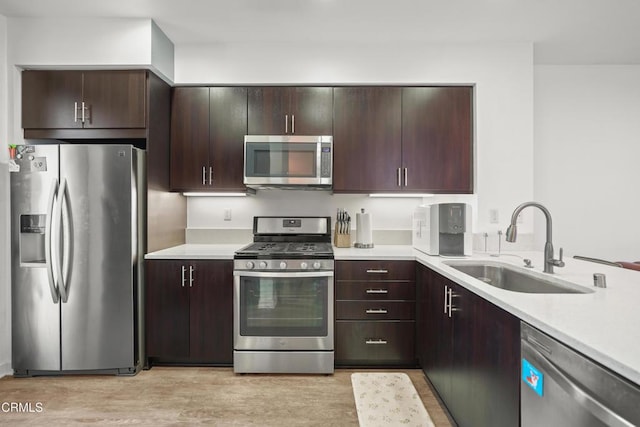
<point x="584" y="398"/>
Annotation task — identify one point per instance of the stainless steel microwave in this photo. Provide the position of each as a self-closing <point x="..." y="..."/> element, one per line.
<point x="295" y="161"/>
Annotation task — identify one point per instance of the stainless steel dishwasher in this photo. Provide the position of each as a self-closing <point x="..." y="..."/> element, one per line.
<point x="561" y="387"/>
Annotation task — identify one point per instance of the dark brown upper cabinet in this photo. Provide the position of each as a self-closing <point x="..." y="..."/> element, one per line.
<point x="89" y="102"/>
<point x="367" y="139"/>
<point x="279" y="110"/>
<point x="208" y="125"/>
<point x="437" y="139"/>
<point x="397" y="139"/>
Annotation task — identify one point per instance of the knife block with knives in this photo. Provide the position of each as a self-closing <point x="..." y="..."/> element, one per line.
<point x="342" y="230"/>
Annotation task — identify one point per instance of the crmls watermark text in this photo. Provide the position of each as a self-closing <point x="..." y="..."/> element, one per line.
<point x="22" y="407"/>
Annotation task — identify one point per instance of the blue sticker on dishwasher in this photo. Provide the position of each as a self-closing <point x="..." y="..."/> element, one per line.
<point x="532" y="377"/>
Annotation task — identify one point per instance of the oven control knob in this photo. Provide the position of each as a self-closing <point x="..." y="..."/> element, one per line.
<point x="263" y="264"/>
<point x="303" y="265"/>
<point x="250" y="265"/>
<point x="283" y="265"/>
<point x="317" y="265"/>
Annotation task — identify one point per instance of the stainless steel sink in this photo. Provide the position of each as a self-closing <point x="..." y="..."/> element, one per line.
<point x="513" y="279"/>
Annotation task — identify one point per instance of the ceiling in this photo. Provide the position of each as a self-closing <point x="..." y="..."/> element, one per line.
<point x="561" y="31"/>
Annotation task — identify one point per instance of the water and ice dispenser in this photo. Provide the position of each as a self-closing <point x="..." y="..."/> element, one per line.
<point x="32" y="239"/>
<point x="443" y="229"/>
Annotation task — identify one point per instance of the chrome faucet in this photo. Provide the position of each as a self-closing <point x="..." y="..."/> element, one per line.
<point x="512" y="231"/>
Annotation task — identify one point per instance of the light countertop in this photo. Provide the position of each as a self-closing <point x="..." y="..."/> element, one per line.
<point x="602" y="325"/>
<point x="197" y="251"/>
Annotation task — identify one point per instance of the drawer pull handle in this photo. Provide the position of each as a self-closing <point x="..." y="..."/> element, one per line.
<point x="376" y="341"/>
<point x="376" y="311"/>
<point x="377" y="271"/>
<point x="377" y="291"/>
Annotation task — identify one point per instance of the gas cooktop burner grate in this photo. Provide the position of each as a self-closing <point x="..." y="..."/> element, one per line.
<point x="288" y="237"/>
<point x="284" y="249"/>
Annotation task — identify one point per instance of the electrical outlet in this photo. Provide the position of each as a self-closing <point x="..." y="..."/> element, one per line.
<point x="493" y="216"/>
<point x="227" y="214"/>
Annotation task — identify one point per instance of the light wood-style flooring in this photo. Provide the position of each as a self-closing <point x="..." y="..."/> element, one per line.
<point x="188" y="396"/>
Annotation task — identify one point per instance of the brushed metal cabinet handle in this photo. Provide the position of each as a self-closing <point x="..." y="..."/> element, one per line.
<point x="210" y="175"/>
<point x="204" y="176"/>
<point x="379" y="270"/>
<point x="286" y="123"/>
<point x="445" y="299"/>
<point x="75" y="112"/>
<point x="293" y="123"/>
<point x="376" y="341"/>
<point x="184" y="270"/>
<point x="377" y="291"/>
<point x="399" y="178"/>
<point x="376" y="311"/>
<point x="406" y="172"/>
<point x="191" y="270"/>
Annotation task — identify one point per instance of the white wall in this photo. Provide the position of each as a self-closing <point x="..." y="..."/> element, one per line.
<point x="587" y="158"/>
<point x="502" y="74"/>
<point x="72" y="42"/>
<point x="5" y="276"/>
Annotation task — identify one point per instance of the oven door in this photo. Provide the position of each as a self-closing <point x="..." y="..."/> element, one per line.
<point x="283" y="311"/>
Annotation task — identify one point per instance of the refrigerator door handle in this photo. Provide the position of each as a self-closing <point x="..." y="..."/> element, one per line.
<point x="47" y="243"/>
<point x="63" y="230"/>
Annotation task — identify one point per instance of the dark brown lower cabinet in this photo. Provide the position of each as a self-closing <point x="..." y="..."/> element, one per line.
<point x="470" y="351"/>
<point x="375" y="313"/>
<point x="375" y="342"/>
<point x="189" y="311"/>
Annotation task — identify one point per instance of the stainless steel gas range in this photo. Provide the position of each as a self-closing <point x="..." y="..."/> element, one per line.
<point x="283" y="297"/>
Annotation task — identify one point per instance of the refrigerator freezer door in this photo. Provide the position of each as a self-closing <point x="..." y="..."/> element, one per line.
<point x="98" y="263"/>
<point x="34" y="313"/>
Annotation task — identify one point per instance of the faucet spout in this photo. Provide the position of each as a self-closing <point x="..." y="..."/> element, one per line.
<point x="512" y="232"/>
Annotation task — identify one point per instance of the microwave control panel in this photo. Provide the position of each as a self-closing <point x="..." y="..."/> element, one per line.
<point x="325" y="161"/>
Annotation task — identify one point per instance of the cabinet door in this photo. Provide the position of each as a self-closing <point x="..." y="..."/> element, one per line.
<point x="211" y="314"/>
<point x="267" y="107"/>
<point x="422" y="313"/>
<point x="227" y="128"/>
<point x="167" y="310"/>
<point x="312" y="110"/>
<point x="488" y="359"/>
<point x="437" y="139"/>
<point x="462" y="372"/>
<point x="438" y="331"/>
<point x="116" y="99"/>
<point x="48" y="99"/>
<point x="290" y="110"/>
<point x="189" y="138"/>
<point x="366" y="139"/>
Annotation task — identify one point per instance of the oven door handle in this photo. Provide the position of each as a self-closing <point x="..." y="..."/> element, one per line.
<point x="271" y="274"/>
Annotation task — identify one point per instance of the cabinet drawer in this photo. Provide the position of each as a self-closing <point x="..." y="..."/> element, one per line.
<point x="375" y="343"/>
<point x="375" y="310"/>
<point x="376" y="270"/>
<point x="375" y="291"/>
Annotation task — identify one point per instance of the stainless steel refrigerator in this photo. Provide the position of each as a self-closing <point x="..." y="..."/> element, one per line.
<point x="77" y="243"/>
